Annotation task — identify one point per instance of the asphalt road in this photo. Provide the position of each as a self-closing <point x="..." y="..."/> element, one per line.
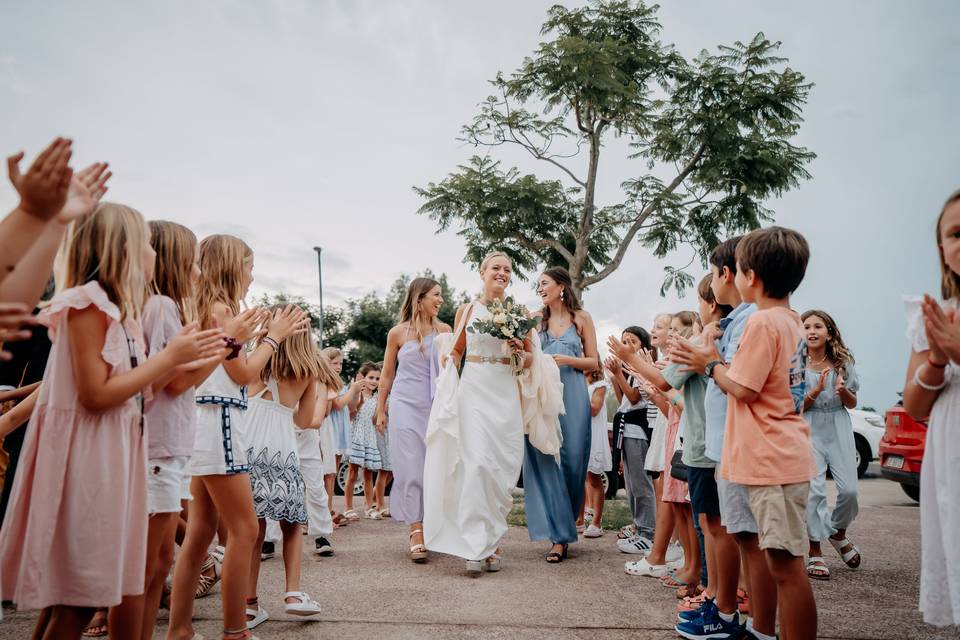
<point x="369" y="589"/>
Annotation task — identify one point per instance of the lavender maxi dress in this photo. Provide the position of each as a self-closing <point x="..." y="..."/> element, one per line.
<point x="408" y="412"/>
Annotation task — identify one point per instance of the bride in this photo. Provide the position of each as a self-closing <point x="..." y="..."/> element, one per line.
<point x="475" y="435"/>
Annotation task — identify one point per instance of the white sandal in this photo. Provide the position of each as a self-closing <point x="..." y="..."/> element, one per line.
<point x="817" y="568"/>
<point x="854" y="552"/>
<point x="259" y="617"/>
<point x="494" y="563"/>
<point x="351" y="514"/>
<point x="305" y="607"/>
<point x="418" y="552"/>
<point x="373" y="514"/>
<point x="475" y="568"/>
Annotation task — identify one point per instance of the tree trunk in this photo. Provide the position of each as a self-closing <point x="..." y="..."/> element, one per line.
<point x="581" y="250"/>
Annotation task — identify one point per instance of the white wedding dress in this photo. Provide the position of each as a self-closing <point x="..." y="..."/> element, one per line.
<point x="474" y="451"/>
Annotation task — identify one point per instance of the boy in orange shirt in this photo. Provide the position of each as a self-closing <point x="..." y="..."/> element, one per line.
<point x="767" y="446"/>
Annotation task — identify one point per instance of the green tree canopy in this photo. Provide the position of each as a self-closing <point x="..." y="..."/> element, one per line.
<point x="713" y="133"/>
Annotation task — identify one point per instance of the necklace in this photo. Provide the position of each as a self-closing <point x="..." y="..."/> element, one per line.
<point x="819" y="362"/>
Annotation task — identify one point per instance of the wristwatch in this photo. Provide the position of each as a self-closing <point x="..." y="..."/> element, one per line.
<point x="711" y="366"/>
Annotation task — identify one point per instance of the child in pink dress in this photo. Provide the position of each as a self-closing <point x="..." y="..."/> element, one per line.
<point x="76" y="529"/>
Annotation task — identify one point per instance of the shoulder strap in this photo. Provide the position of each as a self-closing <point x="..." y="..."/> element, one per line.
<point x="467" y="313"/>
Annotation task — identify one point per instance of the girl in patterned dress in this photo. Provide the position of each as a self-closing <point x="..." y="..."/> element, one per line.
<point x="220" y="486"/>
<point x="365" y="453"/>
<point x="284" y="397"/>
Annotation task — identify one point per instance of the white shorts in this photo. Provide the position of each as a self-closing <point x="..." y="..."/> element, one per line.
<point x="327" y="445"/>
<point x="168" y="482"/>
<point x="735" y="513"/>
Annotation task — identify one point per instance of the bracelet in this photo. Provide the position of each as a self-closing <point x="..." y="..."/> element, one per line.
<point x="234" y="345"/>
<point x="273" y="343"/>
<point x="937" y="365"/>
<point x="923" y="385"/>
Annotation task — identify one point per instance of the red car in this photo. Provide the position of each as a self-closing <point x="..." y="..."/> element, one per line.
<point x="901" y="450"/>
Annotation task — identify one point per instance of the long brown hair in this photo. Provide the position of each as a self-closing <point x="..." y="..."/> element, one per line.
<point x="410" y="309"/>
<point x="108" y="245"/>
<point x="327" y="377"/>
<point x="221" y="274"/>
<point x="296" y="359"/>
<point x="175" y="246"/>
<point x="688" y="319"/>
<point x="836" y="351"/>
<point x="329" y="354"/>
<point x="569" y="298"/>
<point x="949" y="281"/>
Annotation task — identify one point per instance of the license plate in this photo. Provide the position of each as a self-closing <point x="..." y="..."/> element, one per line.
<point x="894" y="462"/>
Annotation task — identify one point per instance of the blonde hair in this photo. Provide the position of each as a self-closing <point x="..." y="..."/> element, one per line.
<point x="296" y="359"/>
<point x="107" y="246"/>
<point x="327" y="376"/>
<point x="410" y="309"/>
<point x="949" y="281"/>
<point x="221" y="274"/>
<point x="490" y="257"/>
<point x="175" y="246"/>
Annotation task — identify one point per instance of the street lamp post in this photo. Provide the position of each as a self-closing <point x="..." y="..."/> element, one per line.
<point x="320" y="274"/>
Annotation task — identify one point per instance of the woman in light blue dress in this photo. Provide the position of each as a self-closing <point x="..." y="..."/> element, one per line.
<point x="553" y="491"/>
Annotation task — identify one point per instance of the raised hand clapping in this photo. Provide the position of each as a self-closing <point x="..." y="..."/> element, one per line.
<point x="86" y="189"/>
<point x="43" y="188"/>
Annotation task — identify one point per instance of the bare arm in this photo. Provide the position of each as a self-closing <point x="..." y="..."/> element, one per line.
<point x="12" y="419"/>
<point x="728" y="386"/>
<point x="97" y="390"/>
<point x="596" y="400"/>
<point x="917" y="401"/>
<point x="389" y="372"/>
<point x="19" y="393"/>
<point x="304" y="415"/>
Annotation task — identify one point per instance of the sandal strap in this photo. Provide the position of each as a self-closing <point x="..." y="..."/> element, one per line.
<point x="300" y="595"/>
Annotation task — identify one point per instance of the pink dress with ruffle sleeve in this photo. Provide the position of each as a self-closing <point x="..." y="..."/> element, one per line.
<point x="75" y="532"/>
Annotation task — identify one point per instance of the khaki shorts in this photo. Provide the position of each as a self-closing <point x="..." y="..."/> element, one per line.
<point x="780" y="511"/>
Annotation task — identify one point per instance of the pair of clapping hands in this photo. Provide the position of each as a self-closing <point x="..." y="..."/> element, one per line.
<point x="679" y="350"/>
<point x="943" y="331"/>
<point x="50" y="192"/>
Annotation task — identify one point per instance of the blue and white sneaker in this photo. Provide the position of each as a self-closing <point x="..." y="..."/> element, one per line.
<point x="710" y="626"/>
<point x="688" y="616"/>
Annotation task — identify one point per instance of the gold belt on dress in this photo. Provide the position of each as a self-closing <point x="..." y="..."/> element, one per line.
<point x="488" y="359"/>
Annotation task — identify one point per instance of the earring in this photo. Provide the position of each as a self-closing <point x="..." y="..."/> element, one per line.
<point x="561" y="293"/>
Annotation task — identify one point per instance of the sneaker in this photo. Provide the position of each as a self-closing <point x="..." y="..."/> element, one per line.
<point x="674" y="554"/>
<point x="710" y="626"/>
<point x="643" y="568"/>
<point x="627" y="532"/>
<point x="323" y="547"/>
<point x="592" y="532"/>
<point x="693" y="614"/>
<point x="639" y="545"/>
<point x="267" y="551"/>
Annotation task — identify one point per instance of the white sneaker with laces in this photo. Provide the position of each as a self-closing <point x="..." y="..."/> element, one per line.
<point x="638" y="545"/>
<point x="643" y="568"/>
<point x="593" y="532"/>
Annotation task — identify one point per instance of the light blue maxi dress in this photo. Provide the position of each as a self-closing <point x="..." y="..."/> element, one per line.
<point x="553" y="492"/>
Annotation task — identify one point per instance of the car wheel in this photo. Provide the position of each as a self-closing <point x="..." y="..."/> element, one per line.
<point x="341" y="481"/>
<point x="864" y="455"/>
<point x="912" y="491"/>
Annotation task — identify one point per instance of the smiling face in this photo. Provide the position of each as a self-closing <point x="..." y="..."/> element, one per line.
<point x="431" y="302"/>
<point x="372" y="380"/>
<point x="548" y="289"/>
<point x="496" y="276"/>
<point x="815" y="329"/>
<point x="950" y="236"/>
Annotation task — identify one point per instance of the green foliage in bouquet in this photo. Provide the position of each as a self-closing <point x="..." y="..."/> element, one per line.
<point x="508" y="320"/>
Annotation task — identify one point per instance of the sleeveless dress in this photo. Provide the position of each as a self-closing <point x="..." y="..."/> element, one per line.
<point x="469" y="471"/>
<point x="365" y="451"/>
<point x="408" y="413"/>
<point x="340" y="424"/>
<point x="939" y="488"/>
<point x="75" y="531"/>
<point x="601" y="458"/>
<point x="673" y="490"/>
<point x="275" y="477"/>
<point x="553" y="492"/>
<point x="218" y="445"/>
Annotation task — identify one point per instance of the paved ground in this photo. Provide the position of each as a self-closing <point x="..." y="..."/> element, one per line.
<point x="369" y="589"/>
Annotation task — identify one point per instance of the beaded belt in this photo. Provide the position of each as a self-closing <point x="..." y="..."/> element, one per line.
<point x="488" y="359"/>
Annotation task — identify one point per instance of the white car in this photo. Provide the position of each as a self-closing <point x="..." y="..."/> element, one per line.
<point x="868" y="428"/>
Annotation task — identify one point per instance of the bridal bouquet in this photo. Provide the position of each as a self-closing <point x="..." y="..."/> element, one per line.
<point x="508" y="320"/>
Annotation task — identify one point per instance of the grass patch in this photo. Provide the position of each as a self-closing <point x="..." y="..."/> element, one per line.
<point x="616" y="514"/>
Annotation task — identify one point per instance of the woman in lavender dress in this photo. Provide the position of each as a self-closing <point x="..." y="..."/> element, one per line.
<point x="404" y="400"/>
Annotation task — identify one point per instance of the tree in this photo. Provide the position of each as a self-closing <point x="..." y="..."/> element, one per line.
<point x="714" y="132"/>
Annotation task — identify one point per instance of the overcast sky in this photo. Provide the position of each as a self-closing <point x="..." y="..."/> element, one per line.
<point x="294" y="124"/>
